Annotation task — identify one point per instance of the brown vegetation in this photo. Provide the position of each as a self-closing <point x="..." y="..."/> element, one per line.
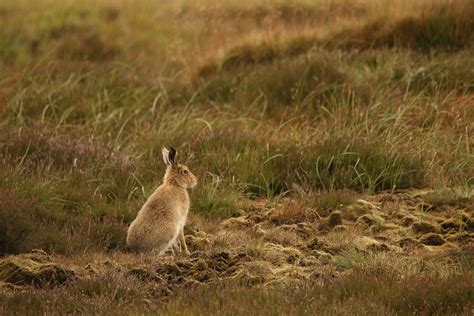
<point x="332" y="140"/>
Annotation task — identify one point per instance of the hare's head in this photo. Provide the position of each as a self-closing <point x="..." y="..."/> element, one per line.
<point x="176" y="173"/>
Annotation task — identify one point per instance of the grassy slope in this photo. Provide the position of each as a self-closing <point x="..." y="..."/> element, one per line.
<point x="260" y="99"/>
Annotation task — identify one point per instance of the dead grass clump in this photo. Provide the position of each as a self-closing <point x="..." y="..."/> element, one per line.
<point x="353" y="211"/>
<point x="332" y="200"/>
<point x="334" y="219"/>
<point x="236" y="223"/>
<point x="283" y="235"/>
<point x="254" y="273"/>
<point x="278" y="254"/>
<point x="447" y="197"/>
<point x="368" y="245"/>
<point x="464" y="239"/>
<point x="367" y="220"/>
<point x="292" y="212"/>
<point x="33" y="269"/>
<point x="199" y="241"/>
<point x="470" y="224"/>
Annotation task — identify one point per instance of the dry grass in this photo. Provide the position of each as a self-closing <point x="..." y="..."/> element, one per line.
<point x="308" y="110"/>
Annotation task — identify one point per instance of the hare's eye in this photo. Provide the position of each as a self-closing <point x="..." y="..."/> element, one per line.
<point x="185" y="171"/>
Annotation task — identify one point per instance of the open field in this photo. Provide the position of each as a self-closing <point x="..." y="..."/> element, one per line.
<point x="333" y="141"/>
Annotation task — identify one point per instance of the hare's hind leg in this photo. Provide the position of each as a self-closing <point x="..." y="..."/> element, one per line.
<point x="177" y="246"/>
<point x="170" y="244"/>
<point x="182" y="241"/>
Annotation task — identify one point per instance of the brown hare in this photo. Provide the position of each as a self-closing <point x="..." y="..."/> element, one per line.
<point x="161" y="220"/>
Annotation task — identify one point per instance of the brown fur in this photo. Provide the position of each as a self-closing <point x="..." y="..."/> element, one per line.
<point x="160" y="222"/>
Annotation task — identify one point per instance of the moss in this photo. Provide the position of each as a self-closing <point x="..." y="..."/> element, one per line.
<point x="33" y="269"/>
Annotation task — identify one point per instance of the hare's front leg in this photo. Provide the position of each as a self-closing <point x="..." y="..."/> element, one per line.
<point x="182" y="241"/>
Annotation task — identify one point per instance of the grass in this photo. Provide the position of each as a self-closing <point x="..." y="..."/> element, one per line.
<point x="450" y="197"/>
<point x="399" y="287"/>
<point x="443" y="28"/>
<point x="319" y="101"/>
<point x="369" y="290"/>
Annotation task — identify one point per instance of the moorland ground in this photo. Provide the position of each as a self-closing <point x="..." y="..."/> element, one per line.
<point x="333" y="141"/>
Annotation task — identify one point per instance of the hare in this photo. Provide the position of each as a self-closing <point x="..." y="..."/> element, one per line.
<point x="161" y="220"/>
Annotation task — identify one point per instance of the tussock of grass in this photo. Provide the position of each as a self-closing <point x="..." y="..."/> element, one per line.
<point x="448" y="197"/>
<point x="248" y="54"/>
<point x="334" y="165"/>
<point x="442" y="27"/>
<point x="332" y="200"/>
<point x="370" y="290"/>
<point x="213" y="198"/>
<point x="447" y="27"/>
<point x="310" y="82"/>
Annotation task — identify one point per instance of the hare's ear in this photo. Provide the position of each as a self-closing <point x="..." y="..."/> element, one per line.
<point x="172" y="155"/>
<point x="166" y="154"/>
